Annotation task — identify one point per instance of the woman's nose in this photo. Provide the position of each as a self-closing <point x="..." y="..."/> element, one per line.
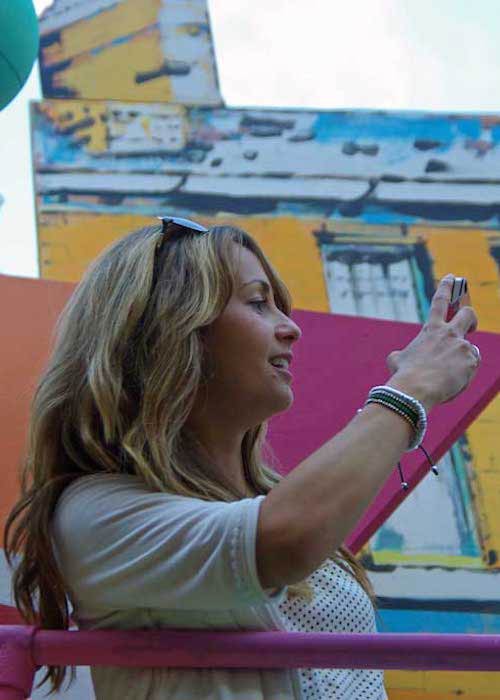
<point x="290" y="330"/>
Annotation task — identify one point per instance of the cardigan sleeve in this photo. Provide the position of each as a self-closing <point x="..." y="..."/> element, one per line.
<point x="120" y="545"/>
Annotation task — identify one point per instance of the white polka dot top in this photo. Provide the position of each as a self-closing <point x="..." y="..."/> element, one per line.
<point x="339" y="605"/>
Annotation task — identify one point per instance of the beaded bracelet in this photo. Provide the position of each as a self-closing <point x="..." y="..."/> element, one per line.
<point x="405" y="405"/>
<point x="411" y="410"/>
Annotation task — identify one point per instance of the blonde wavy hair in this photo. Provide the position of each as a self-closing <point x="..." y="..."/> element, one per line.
<point x="126" y="364"/>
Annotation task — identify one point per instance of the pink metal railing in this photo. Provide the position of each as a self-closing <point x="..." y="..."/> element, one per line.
<point x="23" y="649"/>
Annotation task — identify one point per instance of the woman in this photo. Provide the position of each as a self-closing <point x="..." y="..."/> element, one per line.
<point x="145" y="497"/>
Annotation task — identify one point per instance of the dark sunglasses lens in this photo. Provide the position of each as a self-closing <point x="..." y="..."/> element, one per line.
<point x="185" y="223"/>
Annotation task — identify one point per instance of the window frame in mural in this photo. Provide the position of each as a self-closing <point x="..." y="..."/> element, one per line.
<point x="392" y="279"/>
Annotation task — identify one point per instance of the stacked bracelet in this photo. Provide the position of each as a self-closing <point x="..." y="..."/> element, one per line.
<point x="408" y="408"/>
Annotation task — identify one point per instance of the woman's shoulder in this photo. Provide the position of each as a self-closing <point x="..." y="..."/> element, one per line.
<point x="99" y="479"/>
<point x="94" y="500"/>
<point x="84" y="485"/>
<point x="92" y="492"/>
<point x="105" y="489"/>
<point x="104" y="494"/>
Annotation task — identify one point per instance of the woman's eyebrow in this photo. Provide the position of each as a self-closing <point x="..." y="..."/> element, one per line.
<point x="263" y="284"/>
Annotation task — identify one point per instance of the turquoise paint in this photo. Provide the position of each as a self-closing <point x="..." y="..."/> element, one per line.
<point x="387" y="538"/>
<point x="495" y="134"/>
<point x="374" y="214"/>
<point x="419" y="283"/>
<point x="365" y="125"/>
<point x="430" y="621"/>
<point x="462" y="502"/>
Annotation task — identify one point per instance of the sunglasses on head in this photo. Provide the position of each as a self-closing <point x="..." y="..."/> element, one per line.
<point x="180" y="224"/>
<point x="177" y="224"/>
<point x="168" y="221"/>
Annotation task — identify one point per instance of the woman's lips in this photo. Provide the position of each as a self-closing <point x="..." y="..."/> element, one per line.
<point x="283" y="371"/>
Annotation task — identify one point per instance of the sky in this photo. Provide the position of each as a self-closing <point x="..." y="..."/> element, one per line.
<point x="432" y="55"/>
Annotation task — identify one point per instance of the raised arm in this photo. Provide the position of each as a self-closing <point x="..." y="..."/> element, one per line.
<point x="311" y="511"/>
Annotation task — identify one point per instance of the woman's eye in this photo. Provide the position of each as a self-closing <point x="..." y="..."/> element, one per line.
<point x="259" y="303"/>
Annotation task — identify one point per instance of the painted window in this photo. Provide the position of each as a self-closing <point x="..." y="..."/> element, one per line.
<point x="435" y="524"/>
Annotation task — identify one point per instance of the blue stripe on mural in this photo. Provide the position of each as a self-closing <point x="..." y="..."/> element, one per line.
<point x="430" y="621"/>
<point x="386" y="126"/>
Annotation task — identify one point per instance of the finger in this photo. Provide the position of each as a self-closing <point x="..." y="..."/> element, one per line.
<point x="440" y="301"/>
<point x="464" y="321"/>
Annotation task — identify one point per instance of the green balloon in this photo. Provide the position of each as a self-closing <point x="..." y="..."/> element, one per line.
<point x="19" y="42"/>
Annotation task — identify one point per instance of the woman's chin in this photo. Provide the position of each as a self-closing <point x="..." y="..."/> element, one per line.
<point x="285" y="400"/>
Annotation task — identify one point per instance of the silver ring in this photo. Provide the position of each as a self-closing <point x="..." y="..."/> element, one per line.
<point x="477" y="353"/>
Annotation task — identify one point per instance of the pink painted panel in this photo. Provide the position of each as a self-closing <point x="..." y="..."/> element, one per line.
<point x="336" y="362"/>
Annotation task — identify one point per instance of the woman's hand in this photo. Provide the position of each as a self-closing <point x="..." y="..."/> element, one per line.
<point x="439" y="363"/>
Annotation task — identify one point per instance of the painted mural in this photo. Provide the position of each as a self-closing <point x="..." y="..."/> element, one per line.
<point x="360" y="211"/>
<point x="152" y="50"/>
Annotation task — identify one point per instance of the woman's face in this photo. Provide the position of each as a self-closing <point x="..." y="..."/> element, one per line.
<point x="242" y="341"/>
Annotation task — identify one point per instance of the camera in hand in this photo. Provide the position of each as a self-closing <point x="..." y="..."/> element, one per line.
<point x="459" y="297"/>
